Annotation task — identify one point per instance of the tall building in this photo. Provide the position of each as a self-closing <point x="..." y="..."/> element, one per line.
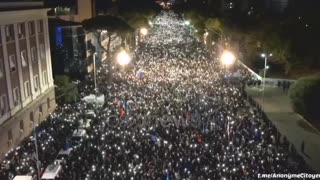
<point x="71" y="10"/>
<point x="68" y="48"/>
<point x="27" y="91"/>
<point x="68" y="38"/>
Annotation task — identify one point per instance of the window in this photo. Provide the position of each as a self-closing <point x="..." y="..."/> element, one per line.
<point x="24" y="58"/>
<point x="21" y="31"/>
<point x="48" y="103"/>
<point x="31" y="116"/>
<point x="10" y="137"/>
<point x="27" y="89"/>
<point x="36" y="83"/>
<point x="1" y="69"/>
<point x="42" y="52"/>
<point x="45" y="78"/>
<point x="9" y="32"/>
<point x="12" y="62"/>
<point x="3" y="104"/>
<point x="16" y="96"/>
<point x="40" y="109"/>
<point x="21" y="125"/>
<point x="40" y="26"/>
<point x="33" y="54"/>
<point x="31" y="28"/>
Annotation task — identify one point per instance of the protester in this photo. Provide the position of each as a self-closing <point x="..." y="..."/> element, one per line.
<point x="215" y="132"/>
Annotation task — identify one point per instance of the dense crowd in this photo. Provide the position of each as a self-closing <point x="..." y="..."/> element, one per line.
<point x="174" y="114"/>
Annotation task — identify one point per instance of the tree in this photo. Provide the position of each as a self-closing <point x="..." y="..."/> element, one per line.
<point x="111" y="24"/>
<point x="214" y="24"/>
<point x="66" y="92"/>
<point x="304" y="96"/>
<point x="215" y="30"/>
<point x="138" y="20"/>
<point x="280" y="47"/>
<point x="197" y="20"/>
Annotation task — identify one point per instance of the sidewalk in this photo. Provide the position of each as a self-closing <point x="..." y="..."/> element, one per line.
<point x="278" y="109"/>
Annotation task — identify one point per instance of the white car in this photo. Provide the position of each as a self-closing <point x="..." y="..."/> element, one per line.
<point x="52" y="172"/>
<point x="62" y="156"/>
<point x="93" y="99"/>
<point x="90" y="114"/>
<point x="23" y="178"/>
<point x="78" y="135"/>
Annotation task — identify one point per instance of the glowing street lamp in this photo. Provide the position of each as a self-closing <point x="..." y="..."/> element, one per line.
<point x="187" y="23"/>
<point x="205" y="35"/>
<point x="265" y="56"/>
<point x="123" y="58"/>
<point x="144" y="31"/>
<point x="227" y="58"/>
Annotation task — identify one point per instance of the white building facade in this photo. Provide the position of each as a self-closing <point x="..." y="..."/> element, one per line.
<point x="26" y="82"/>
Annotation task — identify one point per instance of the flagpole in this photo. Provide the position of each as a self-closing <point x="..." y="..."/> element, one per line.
<point x="36" y="146"/>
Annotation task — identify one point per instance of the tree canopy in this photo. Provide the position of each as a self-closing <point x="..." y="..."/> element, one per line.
<point x="137" y="20"/>
<point x="213" y="24"/>
<point x="112" y="24"/>
<point x="66" y="92"/>
<point x="304" y="95"/>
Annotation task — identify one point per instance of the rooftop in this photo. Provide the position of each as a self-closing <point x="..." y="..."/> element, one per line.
<point x="12" y="5"/>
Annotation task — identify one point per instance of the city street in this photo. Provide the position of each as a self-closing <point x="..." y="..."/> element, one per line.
<point x="175" y="112"/>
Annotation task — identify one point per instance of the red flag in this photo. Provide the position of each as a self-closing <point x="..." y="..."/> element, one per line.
<point x="122" y="112"/>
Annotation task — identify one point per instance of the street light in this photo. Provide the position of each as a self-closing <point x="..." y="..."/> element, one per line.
<point x="205" y="35"/>
<point x="36" y="146"/>
<point x="227" y="58"/>
<point x="144" y="31"/>
<point x="94" y="72"/>
<point x="187" y="23"/>
<point x="265" y="56"/>
<point x="123" y="58"/>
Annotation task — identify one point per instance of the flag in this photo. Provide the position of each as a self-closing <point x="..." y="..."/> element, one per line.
<point x="125" y="104"/>
<point x="168" y="176"/>
<point x="122" y="112"/>
<point x="154" y="138"/>
<point x="228" y="130"/>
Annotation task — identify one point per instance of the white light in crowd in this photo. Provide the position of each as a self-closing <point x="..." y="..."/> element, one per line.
<point x="123" y="58"/>
<point x="144" y="31"/>
<point x="227" y="58"/>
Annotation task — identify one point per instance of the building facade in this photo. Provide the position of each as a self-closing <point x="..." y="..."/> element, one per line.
<point x="69" y="38"/>
<point x="27" y="89"/>
<point x="72" y="10"/>
<point x="68" y="48"/>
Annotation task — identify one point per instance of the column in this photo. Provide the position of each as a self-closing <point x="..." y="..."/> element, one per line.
<point x="38" y="56"/>
<point x="19" y="64"/>
<point x="48" y="52"/>
<point x="7" y="67"/>
<point x="29" y="60"/>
